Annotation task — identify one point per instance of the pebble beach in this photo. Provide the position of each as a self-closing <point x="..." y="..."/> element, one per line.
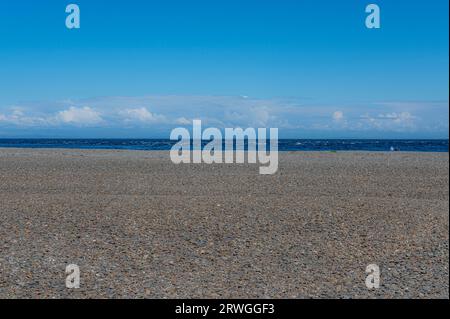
<point x="139" y="226"/>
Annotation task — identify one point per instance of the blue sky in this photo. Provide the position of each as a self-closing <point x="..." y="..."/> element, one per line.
<point x="140" y="68"/>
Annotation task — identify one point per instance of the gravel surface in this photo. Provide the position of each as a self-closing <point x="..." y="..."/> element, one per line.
<point x="139" y="226"/>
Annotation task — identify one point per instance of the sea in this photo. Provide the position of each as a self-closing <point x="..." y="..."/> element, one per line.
<point x="381" y="145"/>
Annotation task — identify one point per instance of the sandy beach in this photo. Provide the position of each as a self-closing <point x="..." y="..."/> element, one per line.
<point x="139" y="226"/>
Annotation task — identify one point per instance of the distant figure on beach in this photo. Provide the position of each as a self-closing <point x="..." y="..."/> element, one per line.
<point x="394" y="149"/>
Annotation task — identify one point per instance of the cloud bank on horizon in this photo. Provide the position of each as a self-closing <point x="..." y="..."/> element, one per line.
<point x="155" y="116"/>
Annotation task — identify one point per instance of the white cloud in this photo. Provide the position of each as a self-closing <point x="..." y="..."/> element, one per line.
<point x="261" y="116"/>
<point x="338" y="116"/>
<point x="81" y="116"/>
<point x="248" y="115"/>
<point x="183" y="121"/>
<point x="140" y="115"/>
<point x="398" y="117"/>
<point x="165" y="112"/>
<point x="18" y="117"/>
<point x="390" y="121"/>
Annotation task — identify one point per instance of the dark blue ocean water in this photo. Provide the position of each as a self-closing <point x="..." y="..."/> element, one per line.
<point x="284" y="144"/>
